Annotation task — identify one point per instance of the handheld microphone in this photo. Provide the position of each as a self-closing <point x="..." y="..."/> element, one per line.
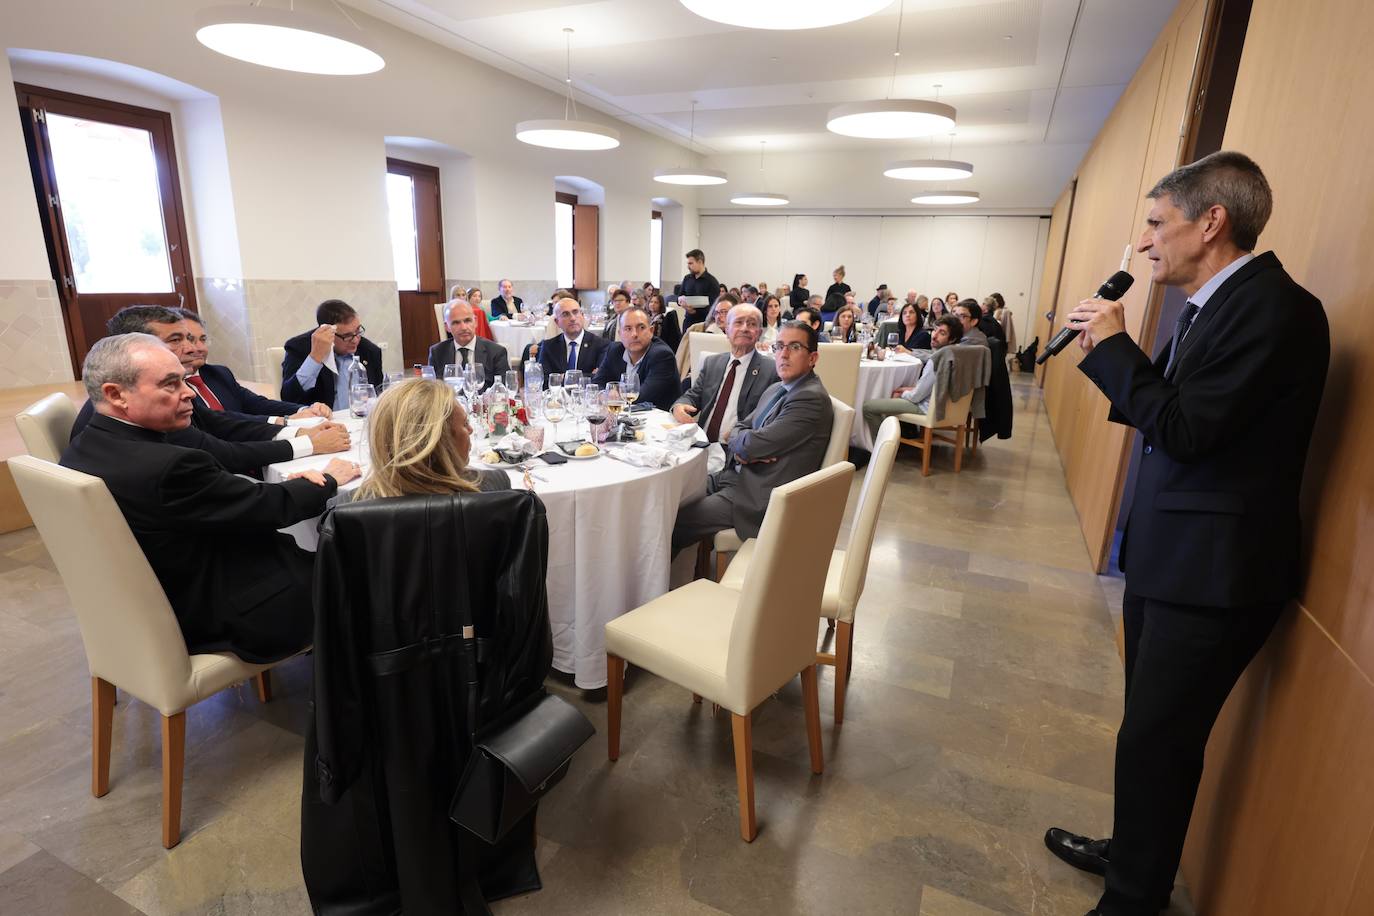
<point x="1113" y="289"/>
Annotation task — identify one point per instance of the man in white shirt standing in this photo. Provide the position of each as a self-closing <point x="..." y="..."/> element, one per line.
<point x="729" y="384"/>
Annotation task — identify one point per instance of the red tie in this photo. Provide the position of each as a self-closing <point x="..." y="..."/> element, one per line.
<point x="206" y="395"/>
<point x="722" y="401"/>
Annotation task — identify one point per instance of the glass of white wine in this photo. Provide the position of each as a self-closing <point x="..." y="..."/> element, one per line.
<point x="555" y="408"/>
<point x="629" y="387"/>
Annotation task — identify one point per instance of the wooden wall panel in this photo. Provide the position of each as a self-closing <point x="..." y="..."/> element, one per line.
<point x="1043" y="327"/>
<point x="1284" y="821"/>
<point x="1138" y="144"/>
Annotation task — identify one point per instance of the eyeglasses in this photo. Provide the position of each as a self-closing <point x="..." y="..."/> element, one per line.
<point x="793" y="347"/>
<point x="349" y="338"/>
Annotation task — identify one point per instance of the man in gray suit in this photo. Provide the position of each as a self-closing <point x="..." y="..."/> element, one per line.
<point x="729" y="384"/>
<point x="465" y="347"/>
<point x="784" y="438"/>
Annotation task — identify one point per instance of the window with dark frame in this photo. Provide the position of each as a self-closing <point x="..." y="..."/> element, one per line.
<point x="105" y="178"/>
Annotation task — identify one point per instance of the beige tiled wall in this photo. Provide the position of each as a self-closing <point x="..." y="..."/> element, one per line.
<point x="223" y="304"/>
<point x="33" y="340"/>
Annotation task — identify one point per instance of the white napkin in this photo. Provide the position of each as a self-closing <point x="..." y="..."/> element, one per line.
<point x="512" y="442"/>
<point x="901" y="358"/>
<point x="640" y="455"/>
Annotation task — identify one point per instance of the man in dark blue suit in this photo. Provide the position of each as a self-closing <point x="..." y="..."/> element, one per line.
<point x="587" y="349"/>
<point x="639" y="351"/>
<point x="217" y="388"/>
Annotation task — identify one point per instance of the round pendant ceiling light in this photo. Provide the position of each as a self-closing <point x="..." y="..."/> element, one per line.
<point x="784" y="14"/>
<point x="760" y="198"/>
<point x="568" y="133"/>
<point x="946" y="198"/>
<point x="929" y="170"/>
<point x="691" y="176"/>
<point x="889" y="118"/>
<point x="287" y="40"/>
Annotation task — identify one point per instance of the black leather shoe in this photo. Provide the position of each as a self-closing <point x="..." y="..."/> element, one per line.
<point x="1079" y="851"/>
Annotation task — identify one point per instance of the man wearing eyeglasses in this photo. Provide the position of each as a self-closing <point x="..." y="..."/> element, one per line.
<point x="783" y="438"/>
<point x="729" y="384"/>
<point x="317" y="360"/>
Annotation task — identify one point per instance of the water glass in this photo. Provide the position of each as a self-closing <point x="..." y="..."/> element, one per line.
<point x="427" y="372"/>
<point x="476" y="375"/>
<point x="555" y="380"/>
<point x="572" y="379"/>
<point x="360" y="399"/>
<point x="512" y="381"/>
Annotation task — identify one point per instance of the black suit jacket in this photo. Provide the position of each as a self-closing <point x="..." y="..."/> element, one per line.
<point x="553" y="353"/>
<point x="298" y="348"/>
<point x="500" y="307"/>
<point x="234" y="582"/>
<point x="1215" y="519"/>
<point x="489" y="354"/>
<point x="241" y="446"/>
<point x="658" y="379"/>
<point x="235" y="397"/>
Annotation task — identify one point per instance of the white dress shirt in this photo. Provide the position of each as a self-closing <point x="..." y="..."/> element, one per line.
<point x="732" y="404"/>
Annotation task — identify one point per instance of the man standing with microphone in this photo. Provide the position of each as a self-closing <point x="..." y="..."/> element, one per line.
<point x="1211" y="549"/>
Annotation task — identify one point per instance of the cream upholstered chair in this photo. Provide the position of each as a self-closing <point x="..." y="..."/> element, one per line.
<point x="848" y="568"/>
<point x="130" y="633"/>
<point x="275" y="357"/>
<point x="439" y="319"/>
<point x="728" y="541"/>
<point x="46" y="426"/>
<point x="838" y="367"/>
<point x="735" y="647"/>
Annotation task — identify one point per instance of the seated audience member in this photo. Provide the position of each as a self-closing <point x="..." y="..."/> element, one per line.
<point x="784" y="295"/>
<point x="846" y="326"/>
<point x="762" y="291"/>
<point x="811" y="315"/>
<point x="219" y="390"/>
<point x="640" y="352"/>
<point x="891" y="310"/>
<point x="879" y="300"/>
<point x="729" y="384"/>
<point x="772" y="319"/>
<point x="506" y="304"/>
<point x="665" y="323"/>
<point x="243" y="445"/>
<point x="995" y="306"/>
<point x="720" y="312"/>
<point x="914" y="398"/>
<point x="986" y="323"/>
<point x="319" y="364"/>
<point x="783" y="438"/>
<point x="951" y="300"/>
<point x="936" y="312"/>
<point x="972" y="335"/>
<point x="465" y="348"/>
<point x="619" y="301"/>
<point x="234" y="581"/>
<point x="585" y="348"/>
<point x="419" y="441"/>
<point x="815" y="302"/>
<point x="910" y="334"/>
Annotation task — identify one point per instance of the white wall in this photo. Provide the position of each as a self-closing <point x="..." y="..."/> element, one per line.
<point x="971" y="255"/>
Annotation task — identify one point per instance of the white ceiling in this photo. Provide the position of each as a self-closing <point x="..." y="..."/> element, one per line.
<point x="1020" y="72"/>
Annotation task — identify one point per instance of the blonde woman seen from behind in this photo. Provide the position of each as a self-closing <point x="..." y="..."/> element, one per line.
<point x="419" y="441"/>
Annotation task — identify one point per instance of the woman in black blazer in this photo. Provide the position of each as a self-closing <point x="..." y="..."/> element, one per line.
<point x="834" y="295"/>
<point x="800" y="294"/>
<point x="910" y="334"/>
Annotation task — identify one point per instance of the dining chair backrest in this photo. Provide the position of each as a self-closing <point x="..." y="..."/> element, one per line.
<point x="439" y="320"/>
<point x="774" y="631"/>
<point x="838" y="367"/>
<point x="46" y="426"/>
<point x="865" y="524"/>
<point x="693" y="344"/>
<point x="551" y="329"/>
<point x="129" y="631"/>
<point x="275" y="357"/>
<point x="841" y="427"/>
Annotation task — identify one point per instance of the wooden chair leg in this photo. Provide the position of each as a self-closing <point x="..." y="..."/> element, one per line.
<point x="844" y="656"/>
<point x="703" y="560"/>
<point x="263" y="682"/>
<point x="812" y="701"/>
<point x="102" y="729"/>
<point x="959" y="450"/>
<point x="744" y="772"/>
<point x="615" y="689"/>
<point x="722" y="563"/>
<point x="925" y="452"/>
<point x="173" y="768"/>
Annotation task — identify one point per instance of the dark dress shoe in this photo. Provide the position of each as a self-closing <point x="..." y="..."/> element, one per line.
<point x="1079" y="851"/>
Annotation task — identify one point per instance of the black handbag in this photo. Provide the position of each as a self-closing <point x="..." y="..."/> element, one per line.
<point x="516" y="764"/>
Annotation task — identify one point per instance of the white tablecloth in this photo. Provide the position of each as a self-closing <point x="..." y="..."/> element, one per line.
<point x="516" y="337"/>
<point x="610" y="528"/>
<point x="876" y="381"/>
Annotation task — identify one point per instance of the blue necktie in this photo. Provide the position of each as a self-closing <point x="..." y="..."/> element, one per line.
<point x="767" y="414"/>
<point x="572" y="355"/>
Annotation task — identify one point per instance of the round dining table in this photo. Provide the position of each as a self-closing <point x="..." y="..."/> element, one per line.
<point x="515" y="336"/>
<point x="878" y="379"/>
<point x="610" y="532"/>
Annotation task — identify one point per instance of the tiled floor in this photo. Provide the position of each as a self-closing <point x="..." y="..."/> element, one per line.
<point x="983" y="708"/>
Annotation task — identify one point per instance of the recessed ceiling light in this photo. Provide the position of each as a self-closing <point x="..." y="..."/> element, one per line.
<point x="946" y="198"/>
<point x="784" y="14"/>
<point x="890" y="119"/>
<point x="287" y="40"/>
<point x="929" y="170"/>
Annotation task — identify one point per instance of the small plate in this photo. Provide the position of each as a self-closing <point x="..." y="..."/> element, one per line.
<point x="585" y="457"/>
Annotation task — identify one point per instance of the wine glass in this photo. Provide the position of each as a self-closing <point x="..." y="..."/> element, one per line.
<point x="629" y="387"/>
<point x="892" y="339"/>
<point x="572" y="400"/>
<point x="477" y="376"/>
<point x="555" y="408"/>
<point x="360" y="399"/>
<point x="595" y="400"/>
<point x="453" y="377"/>
<point x="572" y="379"/>
<point x="555" y="380"/>
<point x="512" y="381"/>
<point x="427" y="371"/>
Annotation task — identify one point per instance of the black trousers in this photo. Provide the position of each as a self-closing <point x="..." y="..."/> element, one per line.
<point x="1181" y="663"/>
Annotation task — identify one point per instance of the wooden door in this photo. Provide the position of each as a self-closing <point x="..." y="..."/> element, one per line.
<point x="419" y="330"/>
